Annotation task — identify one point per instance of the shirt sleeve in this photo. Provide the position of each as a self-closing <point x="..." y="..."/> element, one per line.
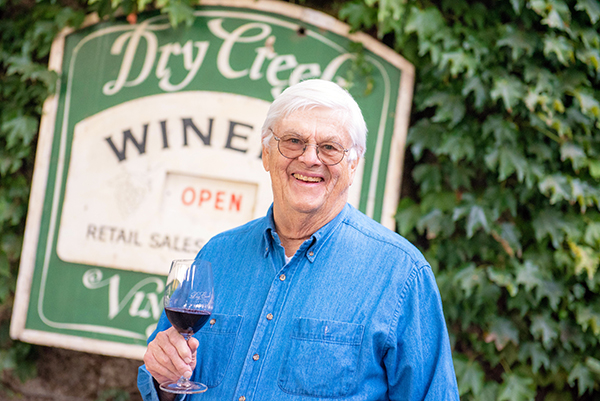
<point x="419" y="359"/>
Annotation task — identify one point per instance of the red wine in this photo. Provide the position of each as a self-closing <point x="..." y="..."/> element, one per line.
<point x="187" y="321"/>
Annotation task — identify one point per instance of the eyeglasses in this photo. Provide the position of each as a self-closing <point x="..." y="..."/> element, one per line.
<point x="330" y="153"/>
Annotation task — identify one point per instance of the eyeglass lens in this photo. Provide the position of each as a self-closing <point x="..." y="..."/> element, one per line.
<point x="328" y="152"/>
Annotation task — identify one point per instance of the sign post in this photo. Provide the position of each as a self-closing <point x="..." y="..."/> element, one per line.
<point x="152" y="145"/>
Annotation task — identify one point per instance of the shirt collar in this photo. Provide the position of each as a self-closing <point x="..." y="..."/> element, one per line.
<point x="311" y="246"/>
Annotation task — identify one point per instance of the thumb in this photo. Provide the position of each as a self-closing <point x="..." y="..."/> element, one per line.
<point x="193" y="344"/>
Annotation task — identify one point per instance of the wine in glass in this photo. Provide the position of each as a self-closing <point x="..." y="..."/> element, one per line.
<point x="189" y="300"/>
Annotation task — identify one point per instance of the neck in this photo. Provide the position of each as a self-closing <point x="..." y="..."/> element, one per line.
<point x="295" y="228"/>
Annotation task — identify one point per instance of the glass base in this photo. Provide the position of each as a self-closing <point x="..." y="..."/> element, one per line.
<point x="188" y="388"/>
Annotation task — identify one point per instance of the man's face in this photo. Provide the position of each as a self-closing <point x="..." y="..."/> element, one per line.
<point x="304" y="184"/>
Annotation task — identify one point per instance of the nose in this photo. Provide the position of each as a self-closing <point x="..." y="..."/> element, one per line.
<point x="311" y="156"/>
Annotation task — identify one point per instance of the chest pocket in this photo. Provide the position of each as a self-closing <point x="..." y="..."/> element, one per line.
<point x="321" y="359"/>
<point x="217" y="340"/>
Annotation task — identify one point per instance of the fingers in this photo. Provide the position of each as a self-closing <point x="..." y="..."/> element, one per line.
<point x="168" y="356"/>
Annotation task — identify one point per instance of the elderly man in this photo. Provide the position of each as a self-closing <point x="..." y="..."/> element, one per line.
<point x="315" y="300"/>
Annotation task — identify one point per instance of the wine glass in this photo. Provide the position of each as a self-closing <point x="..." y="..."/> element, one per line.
<point x="189" y="300"/>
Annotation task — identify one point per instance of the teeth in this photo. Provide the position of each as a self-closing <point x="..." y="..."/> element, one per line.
<point x="307" y="179"/>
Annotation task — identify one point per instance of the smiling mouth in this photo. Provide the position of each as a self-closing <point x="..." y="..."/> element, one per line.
<point x="307" y="179"/>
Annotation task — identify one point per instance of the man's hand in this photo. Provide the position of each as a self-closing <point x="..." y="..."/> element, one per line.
<point x="169" y="356"/>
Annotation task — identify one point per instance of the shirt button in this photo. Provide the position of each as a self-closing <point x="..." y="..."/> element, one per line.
<point x="311" y="253"/>
<point x="269" y="316"/>
<point x="282" y="277"/>
<point x="242" y="398"/>
<point x="256" y="357"/>
<point x="213" y="321"/>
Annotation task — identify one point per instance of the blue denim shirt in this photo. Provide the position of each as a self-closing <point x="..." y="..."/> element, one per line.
<point x="355" y="315"/>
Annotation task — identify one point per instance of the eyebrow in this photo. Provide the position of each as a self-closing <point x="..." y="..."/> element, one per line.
<point x="327" y="138"/>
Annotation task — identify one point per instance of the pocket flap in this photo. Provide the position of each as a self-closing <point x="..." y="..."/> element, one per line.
<point x="328" y="330"/>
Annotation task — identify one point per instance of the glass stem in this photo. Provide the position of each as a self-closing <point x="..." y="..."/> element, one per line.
<point x="183" y="382"/>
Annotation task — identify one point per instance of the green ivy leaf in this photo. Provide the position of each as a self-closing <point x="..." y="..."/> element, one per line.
<point x="407" y="216"/>
<point x="358" y="15"/>
<point x="512" y="161"/>
<point x="586" y="259"/>
<point x="517" y="5"/>
<point x="516" y="388"/>
<point x="510" y="89"/>
<point x="529" y="275"/>
<point x="469" y="278"/>
<point x="423" y="136"/>
<point x="544" y="328"/>
<point x="434" y="223"/>
<point x="178" y="12"/>
<point x="588" y="104"/>
<point x="474" y="85"/>
<point x="574" y="153"/>
<point x="594" y="166"/>
<point x="502" y="331"/>
<point x="505" y="132"/>
<point x="520" y="42"/>
<point x="477" y="219"/>
<point x="426" y="23"/>
<point x="584" y="378"/>
<point x="551" y="290"/>
<point x="470" y="376"/>
<point x="539" y="357"/>
<point x="503" y="279"/>
<point x="20" y="130"/>
<point x="592" y="234"/>
<point x="588" y="316"/>
<point x="429" y="177"/>
<point x="558" y="186"/>
<point x="549" y="223"/>
<point x="555" y="20"/>
<point x="458" y="146"/>
<point x="449" y="108"/>
<point x="560" y="47"/>
<point x="590" y="57"/>
<point x="591" y="7"/>
<point x="460" y="61"/>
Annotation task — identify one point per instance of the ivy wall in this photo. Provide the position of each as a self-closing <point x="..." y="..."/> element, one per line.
<point x="502" y="176"/>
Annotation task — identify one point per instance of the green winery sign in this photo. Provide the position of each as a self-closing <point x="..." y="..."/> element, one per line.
<point x="152" y="145"/>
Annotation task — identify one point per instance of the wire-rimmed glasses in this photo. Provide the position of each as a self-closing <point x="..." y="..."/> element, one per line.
<point x="329" y="152"/>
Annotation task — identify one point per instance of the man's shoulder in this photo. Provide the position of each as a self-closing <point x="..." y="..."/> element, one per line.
<point x="375" y="232"/>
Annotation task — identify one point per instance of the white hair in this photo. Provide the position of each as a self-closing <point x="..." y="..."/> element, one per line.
<point x="314" y="93"/>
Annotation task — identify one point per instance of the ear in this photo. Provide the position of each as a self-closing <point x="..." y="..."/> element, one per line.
<point x="352" y="167"/>
<point x="265" y="157"/>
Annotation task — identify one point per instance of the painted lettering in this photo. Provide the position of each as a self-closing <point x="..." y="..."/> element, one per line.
<point x="112" y="87"/>
<point x="230" y="39"/>
<point x="128" y="136"/>
<point x="231" y="135"/>
<point x="93" y="279"/>
<point x="175" y="243"/>
<point x="206" y="198"/>
<point x="191" y="64"/>
<point x="112" y="234"/>
<point x="188" y="123"/>
<point x="279" y="70"/>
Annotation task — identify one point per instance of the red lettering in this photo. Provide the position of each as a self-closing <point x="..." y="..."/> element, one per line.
<point x="235" y="202"/>
<point x="205" y="195"/>
<point x="219" y="200"/>
<point x="188" y="190"/>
